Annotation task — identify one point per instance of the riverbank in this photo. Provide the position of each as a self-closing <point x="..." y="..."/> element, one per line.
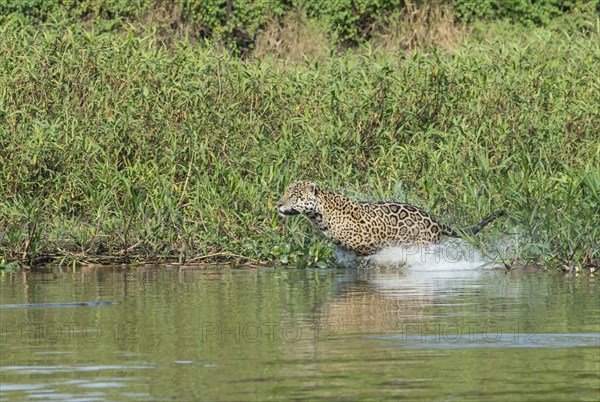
<point x="117" y="148"/>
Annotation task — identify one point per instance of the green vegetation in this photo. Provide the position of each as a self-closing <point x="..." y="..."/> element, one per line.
<point x="237" y="23"/>
<point x="117" y="147"/>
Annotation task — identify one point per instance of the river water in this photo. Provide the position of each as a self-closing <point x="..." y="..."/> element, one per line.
<point x="226" y="333"/>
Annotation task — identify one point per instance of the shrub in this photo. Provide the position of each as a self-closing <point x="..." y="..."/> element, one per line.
<point x="536" y="12"/>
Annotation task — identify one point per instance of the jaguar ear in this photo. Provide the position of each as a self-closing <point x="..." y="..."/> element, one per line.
<point x="313" y="188"/>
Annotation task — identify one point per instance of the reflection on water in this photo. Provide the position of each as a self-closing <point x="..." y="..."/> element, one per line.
<point x="422" y="331"/>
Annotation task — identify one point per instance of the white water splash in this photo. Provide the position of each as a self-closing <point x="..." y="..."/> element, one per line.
<point x="438" y="270"/>
<point x="418" y="273"/>
<point x="452" y="255"/>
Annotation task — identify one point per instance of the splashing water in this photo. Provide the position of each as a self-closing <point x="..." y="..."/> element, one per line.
<point x="414" y="272"/>
<point x="454" y="254"/>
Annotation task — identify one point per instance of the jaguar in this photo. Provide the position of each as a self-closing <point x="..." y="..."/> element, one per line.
<point x="366" y="227"/>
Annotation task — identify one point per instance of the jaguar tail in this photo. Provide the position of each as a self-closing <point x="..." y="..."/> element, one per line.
<point x="474" y="229"/>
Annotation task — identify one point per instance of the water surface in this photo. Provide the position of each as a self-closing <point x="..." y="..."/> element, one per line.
<point x="220" y="333"/>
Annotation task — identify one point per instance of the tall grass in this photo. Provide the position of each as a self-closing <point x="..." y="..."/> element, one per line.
<point x="117" y="148"/>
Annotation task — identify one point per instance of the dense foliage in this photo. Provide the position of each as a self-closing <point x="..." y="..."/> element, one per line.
<point x="237" y="22"/>
<point x="115" y="146"/>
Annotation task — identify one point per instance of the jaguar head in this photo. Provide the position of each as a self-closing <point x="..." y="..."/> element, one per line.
<point x="299" y="198"/>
